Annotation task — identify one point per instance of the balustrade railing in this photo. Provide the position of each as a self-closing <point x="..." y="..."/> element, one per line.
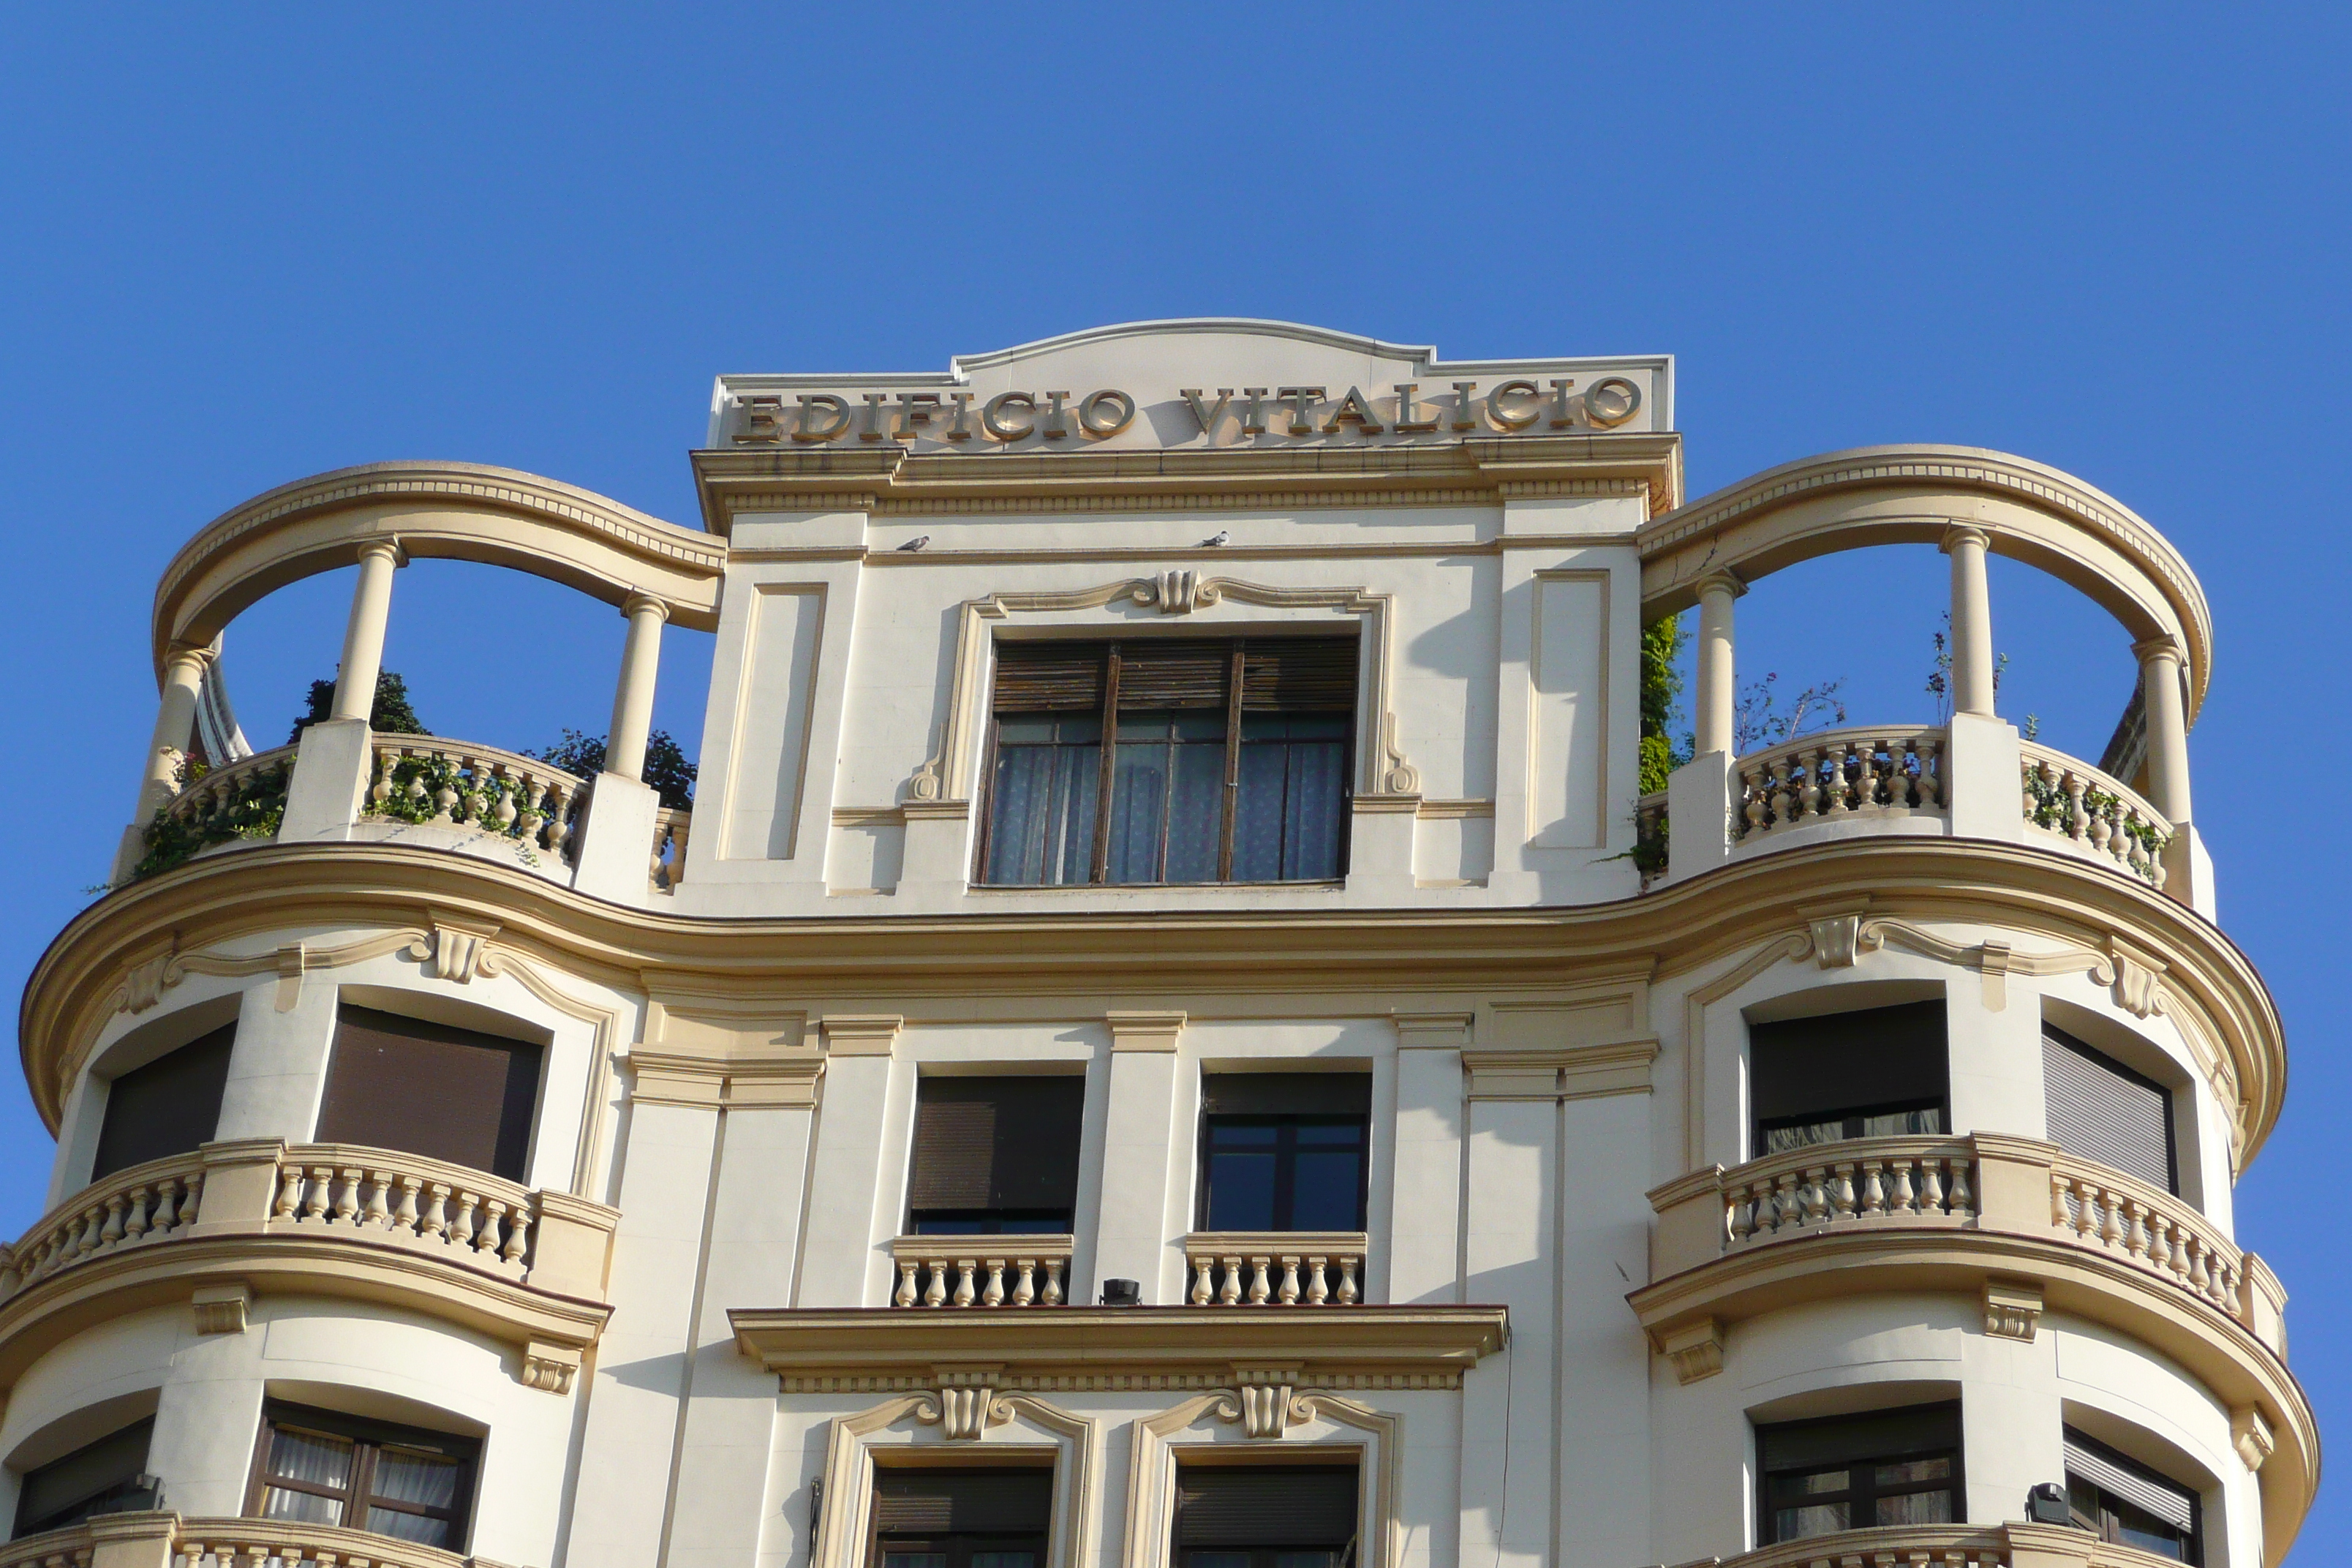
<point x="137" y="1207"/>
<point x="241" y="800"/>
<point x="1888" y="1546"/>
<point x="1840" y="773"/>
<point x="2106" y="1209"/>
<point x="462" y="1216"/>
<point x="289" y="1543"/>
<point x="448" y="783"/>
<point x="1872" y="1179"/>
<point x="376" y="1195"/>
<point x="2091" y="815"/>
<point x="668" y="866"/>
<point x="1986" y="1181"/>
<point x="981" y="1270"/>
<point x="1285" y="1269"/>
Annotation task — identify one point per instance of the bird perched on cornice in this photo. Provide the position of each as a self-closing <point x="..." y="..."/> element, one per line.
<point x="916" y="542"/>
<point x="1220" y="537"/>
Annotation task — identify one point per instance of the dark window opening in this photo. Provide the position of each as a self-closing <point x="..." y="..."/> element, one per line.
<point x="995" y="1155"/>
<point x="428" y="1088"/>
<point x="1878" y="1073"/>
<point x="1860" y="1472"/>
<point x="1285" y="1151"/>
<point x="962" y="1519"/>
<point x="321" y="1466"/>
<point x="1265" y="1516"/>
<point x="2122" y="1501"/>
<point x="170" y="1106"/>
<point x="1226" y="762"/>
<point x="2101" y="1109"/>
<point x="105" y="1477"/>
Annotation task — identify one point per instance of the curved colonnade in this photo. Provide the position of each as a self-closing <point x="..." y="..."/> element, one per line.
<point x="1997" y="1271"/>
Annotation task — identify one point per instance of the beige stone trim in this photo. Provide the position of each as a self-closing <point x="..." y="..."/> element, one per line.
<point x="458" y="510"/>
<point x="1449" y="810"/>
<point x="853" y="1452"/>
<point x="860" y="1034"/>
<point x="221" y="1309"/>
<point x="1694" y="1349"/>
<point x="1266" y="1412"/>
<point x="2012" y="1309"/>
<point x="716" y="1050"/>
<point x="1144" y="1031"/>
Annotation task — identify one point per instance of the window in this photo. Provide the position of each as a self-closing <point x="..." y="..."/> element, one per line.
<point x="104" y="1476"/>
<point x="1283" y="1151"/>
<point x="319" y="1467"/>
<point x="1877" y="1073"/>
<point x="2126" y="1502"/>
<point x="2103" y="1110"/>
<point x="962" y="1519"/>
<point x="1227" y="762"/>
<point x="1857" y="1472"/>
<point x="995" y="1154"/>
<point x="168" y="1107"/>
<point x="428" y="1088"/>
<point x="1264" y="1516"/>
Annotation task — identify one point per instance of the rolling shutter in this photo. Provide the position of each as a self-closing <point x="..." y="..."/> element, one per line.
<point x="1172" y="674"/>
<point x="996" y="1143"/>
<point x="1300" y="675"/>
<point x="1266" y="1505"/>
<point x="2133" y="1482"/>
<point x="168" y="1107"/>
<point x="944" y="1503"/>
<point x="1884" y="1435"/>
<point x="2103" y="1110"/>
<point x="1843" y="1063"/>
<point x="1044" y="676"/>
<point x="428" y="1088"/>
<point x="1287" y="1093"/>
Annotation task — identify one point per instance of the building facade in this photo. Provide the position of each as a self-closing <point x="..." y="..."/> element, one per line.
<point x="1172" y="1033"/>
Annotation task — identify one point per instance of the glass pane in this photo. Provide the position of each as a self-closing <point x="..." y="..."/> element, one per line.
<point x="1139" y="811"/>
<point x="304" y="1507"/>
<point x="1241" y="1189"/>
<point x="403" y="1475"/>
<point x="1914" y="1470"/>
<point x="308" y="1457"/>
<point x="1917" y="1508"/>
<point x="1258" y="811"/>
<point x="1042" y="828"/>
<point x="1305" y="1559"/>
<point x="1196" y="818"/>
<point x="1004" y="1560"/>
<point x="1904" y="1123"/>
<point x="1198" y="1557"/>
<point x="1781" y="1140"/>
<point x="1311" y="818"/>
<point x="2162" y="1541"/>
<point x="1811" y="1486"/>
<point x="1287" y="820"/>
<point x="1818" y="1519"/>
<point x="1327" y="1184"/>
<point x="914" y="1559"/>
<point x="423" y="1529"/>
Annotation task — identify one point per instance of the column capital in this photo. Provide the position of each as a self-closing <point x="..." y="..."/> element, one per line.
<point x="201" y="655"/>
<point x="2162" y="646"/>
<point x="1723" y="582"/>
<point x="1961" y="533"/>
<point x="637" y="603"/>
<point x="387" y="548"/>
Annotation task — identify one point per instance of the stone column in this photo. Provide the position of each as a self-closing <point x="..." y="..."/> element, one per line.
<point x="363" y="634"/>
<point x="633" y="699"/>
<point x="1716" y="669"/>
<point x="175" y="726"/>
<point x="1973" y="661"/>
<point x="2168" y="727"/>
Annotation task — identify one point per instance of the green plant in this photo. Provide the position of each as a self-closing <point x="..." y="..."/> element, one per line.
<point x="666" y="769"/>
<point x="2054" y="809"/>
<point x="1662" y="690"/>
<point x="390" y="715"/>
<point x="1940" y="678"/>
<point x="252" y="807"/>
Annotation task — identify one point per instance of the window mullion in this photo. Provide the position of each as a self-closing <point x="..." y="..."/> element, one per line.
<point x="1100" y="871"/>
<point x="362" y="1485"/>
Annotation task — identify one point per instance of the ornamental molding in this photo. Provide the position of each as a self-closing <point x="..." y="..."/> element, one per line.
<point x="1283" y="1424"/>
<point x="983" y="1425"/>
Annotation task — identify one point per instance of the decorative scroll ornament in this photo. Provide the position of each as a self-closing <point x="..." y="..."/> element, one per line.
<point x="965" y="1405"/>
<point x="1267" y="1402"/>
<point x="457" y="953"/>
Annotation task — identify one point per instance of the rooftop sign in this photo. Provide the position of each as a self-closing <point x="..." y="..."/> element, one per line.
<point x="1196" y="384"/>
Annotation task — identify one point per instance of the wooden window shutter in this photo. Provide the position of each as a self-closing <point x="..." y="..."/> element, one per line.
<point x="958" y="1501"/>
<point x="1266" y="1505"/>
<point x="428" y="1088"/>
<point x="1287" y="1093"/>
<point x="2103" y="1110"/>
<point x="1172" y="674"/>
<point x="996" y="1142"/>
<point x="1043" y="677"/>
<point x="168" y="1107"/>
<point x="1299" y="675"/>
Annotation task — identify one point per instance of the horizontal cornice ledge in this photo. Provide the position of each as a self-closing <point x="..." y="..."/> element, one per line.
<point x="855" y="961"/>
<point x="1052" y="1344"/>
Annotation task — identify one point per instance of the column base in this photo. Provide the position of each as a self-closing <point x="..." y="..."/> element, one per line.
<point x="2189" y="870"/>
<point x="332" y="766"/>
<point x="616" y="840"/>
<point x="1699" y="816"/>
<point x="1982" y="782"/>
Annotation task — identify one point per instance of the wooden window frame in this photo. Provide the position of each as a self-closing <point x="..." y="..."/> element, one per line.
<point x="367" y="1438"/>
<point x="1956" y="1483"/>
<point x="1107" y="714"/>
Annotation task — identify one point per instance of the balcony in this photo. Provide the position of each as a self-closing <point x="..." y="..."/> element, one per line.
<point x="169" y="1541"/>
<point x="235" y="1218"/>
<point x="981" y="1270"/>
<point x="2014" y="1545"/>
<point x="1275" y="1267"/>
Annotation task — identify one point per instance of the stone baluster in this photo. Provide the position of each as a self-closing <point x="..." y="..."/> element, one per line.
<point x="992" y="1294"/>
<point x="434" y="1224"/>
<point x="376" y="1213"/>
<point x="1778" y="770"/>
<point x="1931" y="782"/>
<point x="486" y="1238"/>
<point x="1931" y="1186"/>
<point x="1052" y="1295"/>
<point x="110" y="1231"/>
<point x="1318" y="1291"/>
<point x="135" y="1225"/>
<point x="935" y="1286"/>
<point x="1260" y="1286"/>
<point x="963" y="1291"/>
<point x="1348" y="1261"/>
<point x="1808" y="794"/>
<point x="1739" y="1215"/>
<point x="1230" y="1291"/>
<point x="1842" y="1191"/>
<point x="905" y="1295"/>
<point x="1874" y="1191"/>
<point x="1958" y="1200"/>
<point x="1025" y="1284"/>
<point x="1790" y="1211"/>
<point x="461" y="1229"/>
<point x="1752" y="788"/>
<point x="517" y="1240"/>
<point x="1202" y="1286"/>
<point x="1289" y="1292"/>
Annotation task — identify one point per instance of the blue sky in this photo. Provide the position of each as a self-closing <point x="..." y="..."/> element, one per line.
<point x="238" y="246"/>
